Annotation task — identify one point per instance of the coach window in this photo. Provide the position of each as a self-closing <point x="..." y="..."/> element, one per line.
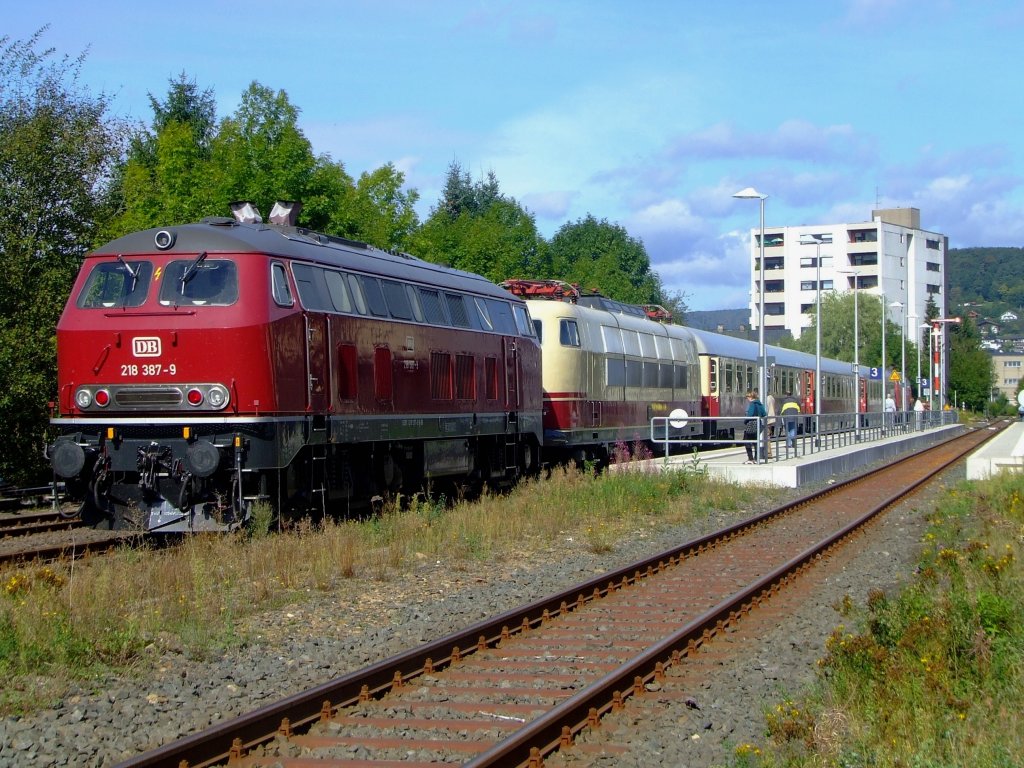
<point x="501" y="316"/>
<point x="727" y="384"/>
<point x="522" y="315"/>
<point x="116" y="284"/>
<point x="279" y="287"/>
<point x="485" y="317"/>
<point x="356" y="289"/>
<point x="338" y="291"/>
<point x="398" y="299"/>
<point x="433" y="310"/>
<point x="457" y="310"/>
<point x="713" y="377"/>
<point x="374" y="296"/>
<point x="414" y="302"/>
<point x="538" y="328"/>
<point x="312" y="289"/>
<point x="568" y="333"/>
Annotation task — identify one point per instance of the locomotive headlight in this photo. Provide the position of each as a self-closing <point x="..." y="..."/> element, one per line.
<point x="217" y="397"/>
<point x="83" y="398"/>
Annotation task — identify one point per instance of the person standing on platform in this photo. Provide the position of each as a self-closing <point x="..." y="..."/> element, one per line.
<point x="918" y="413"/>
<point x="890" y="410"/>
<point x="769" y="425"/>
<point x="755" y="412"/>
<point x="790" y="409"/>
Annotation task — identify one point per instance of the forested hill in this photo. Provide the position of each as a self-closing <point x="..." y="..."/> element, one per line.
<point x="985" y="275"/>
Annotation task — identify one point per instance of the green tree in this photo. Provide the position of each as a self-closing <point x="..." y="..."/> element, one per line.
<point x="261" y="155"/>
<point x="838" y="330"/>
<point x="476" y="228"/>
<point x="971" y="374"/>
<point x="603" y="256"/>
<point x="165" y="177"/>
<point x="58" y="146"/>
<point x="383" y="213"/>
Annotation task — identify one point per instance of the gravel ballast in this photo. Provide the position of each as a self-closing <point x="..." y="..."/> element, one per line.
<point x="366" y="620"/>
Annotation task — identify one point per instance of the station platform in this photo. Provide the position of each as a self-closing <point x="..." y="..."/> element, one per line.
<point x="1004" y="452"/>
<point x="816" y="466"/>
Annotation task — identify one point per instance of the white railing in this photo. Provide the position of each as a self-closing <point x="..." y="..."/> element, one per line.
<point x="812" y="433"/>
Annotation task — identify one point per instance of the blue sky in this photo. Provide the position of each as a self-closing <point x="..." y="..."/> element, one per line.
<point x="648" y="114"/>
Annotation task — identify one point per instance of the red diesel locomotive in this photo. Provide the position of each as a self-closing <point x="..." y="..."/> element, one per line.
<point x="205" y="367"/>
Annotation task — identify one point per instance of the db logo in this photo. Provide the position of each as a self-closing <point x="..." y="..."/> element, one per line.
<point x="146" y="346"/>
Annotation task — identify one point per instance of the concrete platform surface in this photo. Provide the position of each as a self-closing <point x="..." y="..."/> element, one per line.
<point x="820" y="466"/>
<point x="1004" y="452"/>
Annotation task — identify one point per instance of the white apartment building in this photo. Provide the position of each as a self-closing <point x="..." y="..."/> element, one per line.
<point x="889" y="256"/>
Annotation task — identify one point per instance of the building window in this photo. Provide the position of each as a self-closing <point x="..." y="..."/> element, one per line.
<point x="931" y="266"/>
<point x="807" y="285"/>
<point x="775" y="262"/>
<point x="863" y="259"/>
<point x="867" y="281"/>
<point x="827" y="285"/>
<point x="863" y="235"/>
<point x="932" y="244"/>
<point x="775" y="308"/>
<point x="774" y="286"/>
<point x="933" y="288"/>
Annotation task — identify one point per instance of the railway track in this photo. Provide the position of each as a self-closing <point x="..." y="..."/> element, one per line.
<point x="512" y="689"/>
<point x="36" y="522"/>
<point x="13" y="498"/>
<point x="33" y="537"/>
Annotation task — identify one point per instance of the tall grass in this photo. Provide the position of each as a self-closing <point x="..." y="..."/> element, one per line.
<point x="74" y="619"/>
<point x="933" y="676"/>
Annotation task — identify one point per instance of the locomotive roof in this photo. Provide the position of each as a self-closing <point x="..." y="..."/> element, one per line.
<point x="217" y="235"/>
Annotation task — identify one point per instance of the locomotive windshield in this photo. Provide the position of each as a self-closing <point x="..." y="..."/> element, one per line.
<point x="211" y="282"/>
<point x="114" y="284"/>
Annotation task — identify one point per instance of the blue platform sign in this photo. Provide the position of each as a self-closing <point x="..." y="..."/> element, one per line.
<point x="875" y="373"/>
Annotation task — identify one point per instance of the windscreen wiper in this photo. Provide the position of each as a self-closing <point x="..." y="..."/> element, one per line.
<point x="190" y="271"/>
<point x="133" y="272"/>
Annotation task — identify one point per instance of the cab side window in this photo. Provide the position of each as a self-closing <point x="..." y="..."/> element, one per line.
<point x="280" y="288"/>
<point x="568" y="333"/>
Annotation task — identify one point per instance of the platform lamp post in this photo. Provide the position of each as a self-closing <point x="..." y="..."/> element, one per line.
<point x="912" y="323"/>
<point x="903" y="354"/>
<point x="940" y="324"/>
<point x="932" y="331"/>
<point x="817" y="240"/>
<point x="752" y="194"/>
<point x="885" y="320"/>
<point x="856" y="351"/>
